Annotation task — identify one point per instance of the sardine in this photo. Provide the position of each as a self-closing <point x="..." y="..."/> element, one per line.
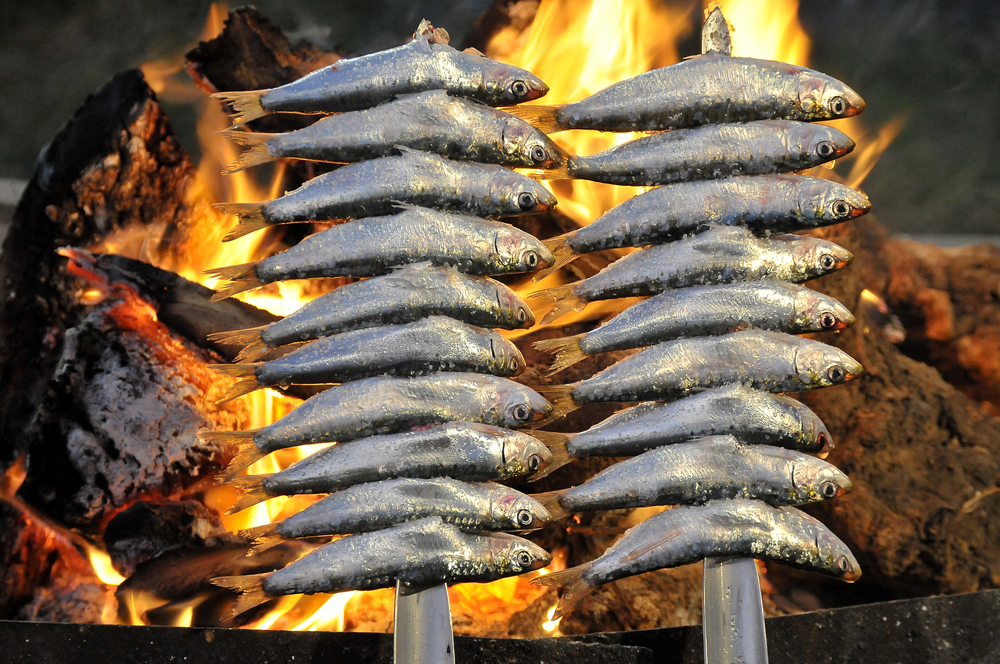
<point x="362" y="82"/>
<point x="461" y="450"/>
<point x="384" y="405"/>
<point x="763" y="203"/>
<point x="433" y="121"/>
<point x="770" y="361"/>
<point x="376" y="187"/>
<point x="744" y="528"/>
<point x="377" y="505"/>
<point x="714" y="151"/>
<point x="704" y="311"/>
<point x="707" y="89"/>
<point x="720" y="254"/>
<point x="417" y="554"/>
<point x="376" y="245"/>
<point x="433" y="344"/>
<point x="695" y="472"/>
<point x="408" y="294"/>
<point x="754" y="416"/>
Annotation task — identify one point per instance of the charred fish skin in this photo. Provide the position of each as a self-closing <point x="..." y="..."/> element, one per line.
<point x="408" y="294"/>
<point x="432" y="344"/>
<point x="714" y="151"/>
<point x="712" y="310"/>
<point x="362" y="82"/>
<point x="765" y="204"/>
<point x="463" y="450"/>
<point x="705" y="469"/>
<point x="419" y="554"/>
<point x="754" y="416"/>
<point x="769" y="361"/>
<point x="721" y="254"/>
<point x="383" y="405"/>
<point x="433" y="122"/>
<point x="712" y="89"/>
<point x="378" y="505"/>
<point x="375" y="187"/>
<point x="376" y="245"/>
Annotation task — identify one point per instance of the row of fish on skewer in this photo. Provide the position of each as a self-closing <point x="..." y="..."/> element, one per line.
<point x="423" y="393"/>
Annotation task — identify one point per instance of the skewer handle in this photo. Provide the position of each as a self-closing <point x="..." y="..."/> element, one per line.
<point x="732" y="612"/>
<point x="423" y="633"/>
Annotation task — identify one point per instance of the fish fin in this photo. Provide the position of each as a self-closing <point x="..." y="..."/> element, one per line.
<point x="256" y="155"/>
<point x="236" y="337"/>
<point x="542" y="118"/>
<point x="247" y="384"/>
<point x="559" y="246"/>
<point x="251" y="218"/>
<point x="253" y="490"/>
<point x="563" y="300"/>
<point x="567" y="350"/>
<point x="646" y="548"/>
<point x="245" y="104"/>
<point x="572" y="580"/>
<point x="550" y="500"/>
<point x="242" y="277"/>
<point x="560" y="457"/>
<point x="403" y="206"/>
<point x="254" y="351"/>
<point x="250" y="587"/>
<point x="474" y="51"/>
<point x="561" y="397"/>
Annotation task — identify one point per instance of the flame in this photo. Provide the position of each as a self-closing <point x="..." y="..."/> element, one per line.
<point x="101" y="562"/>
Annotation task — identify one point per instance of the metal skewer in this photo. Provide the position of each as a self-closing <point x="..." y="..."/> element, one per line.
<point x="422" y="633"/>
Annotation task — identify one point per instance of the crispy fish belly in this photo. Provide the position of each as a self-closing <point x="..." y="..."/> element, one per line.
<point x="383" y="405"/>
<point x="368" y="80"/>
<point x="769" y="361"/>
<point x="463" y="450"/>
<point x="705" y="469"/>
<point x="417" y="554"/>
<point x="378" y="505"/>
<point x="376" y="187"/>
<point x="704" y="311"/>
<point x="433" y="344"/>
<point x="714" y="151"/>
<point x="432" y="121"/>
<point x="744" y="528"/>
<point x="753" y="416"/>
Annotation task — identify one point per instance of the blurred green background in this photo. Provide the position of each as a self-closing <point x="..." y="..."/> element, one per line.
<point x="937" y="62"/>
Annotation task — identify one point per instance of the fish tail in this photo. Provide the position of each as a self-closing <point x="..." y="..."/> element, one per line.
<point x="572" y="580"/>
<point x="263" y="543"/>
<point x="561" y="397"/>
<point x="242" y="277"/>
<point x="245" y="104"/>
<point x="256" y="155"/>
<point x="567" y="350"/>
<point x="543" y="118"/>
<point x="247" y="454"/>
<point x="559" y="246"/>
<point x="560" y="456"/>
<point x="563" y="300"/>
<point x="236" y="337"/>
<point x="247" y="384"/>
<point x="214" y="438"/>
<point x="253" y="351"/>
<point x="250" y="587"/>
<point x="253" y="490"/>
<point x="264" y="537"/>
<point x="552" y="502"/>
<point x="251" y="218"/>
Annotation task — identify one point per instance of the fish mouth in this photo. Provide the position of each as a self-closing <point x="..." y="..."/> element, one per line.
<point x="841" y="150"/>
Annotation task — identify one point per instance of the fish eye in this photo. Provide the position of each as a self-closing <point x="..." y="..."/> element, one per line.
<point x="538" y="154"/>
<point x="521" y="413"/>
<point x="522" y="315"/>
<point x="523" y="558"/>
<point x="821" y="439"/>
<point x="828" y="489"/>
<point x="827" y="262"/>
<point x="843" y="564"/>
<point x="524" y="518"/>
<point x="519" y="88"/>
<point x="824" y="149"/>
<point x="531" y="259"/>
<point x="513" y="365"/>
<point x="836" y="373"/>
<point x="526" y="200"/>
<point x="838" y="106"/>
<point x="841" y="209"/>
<point x="827" y="320"/>
<point x="534" y="461"/>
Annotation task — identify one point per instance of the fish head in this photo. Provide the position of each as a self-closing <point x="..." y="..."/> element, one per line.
<point x="518" y="511"/>
<point x="817" y="143"/>
<point x="513" y="193"/>
<point x="815" y="480"/>
<point x="515" y="555"/>
<point x="519" y="405"/>
<point x="519" y="313"/>
<point x="524" y="454"/>
<point x="816" y="312"/>
<point x="835" y="556"/>
<point x="526" y="146"/>
<point x="815" y="432"/>
<point x="823" y="97"/>
<point x="832" y="202"/>
<point x="815" y="257"/>
<point x="819" y="365"/>
<point x="507" y="359"/>
<point x="521" y="252"/>
<point x="512" y="85"/>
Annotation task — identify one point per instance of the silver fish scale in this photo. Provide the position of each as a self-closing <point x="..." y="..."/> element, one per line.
<point x="754" y="416"/>
<point x="400" y="297"/>
<point x="714" y="151"/>
<point x="435" y="343"/>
